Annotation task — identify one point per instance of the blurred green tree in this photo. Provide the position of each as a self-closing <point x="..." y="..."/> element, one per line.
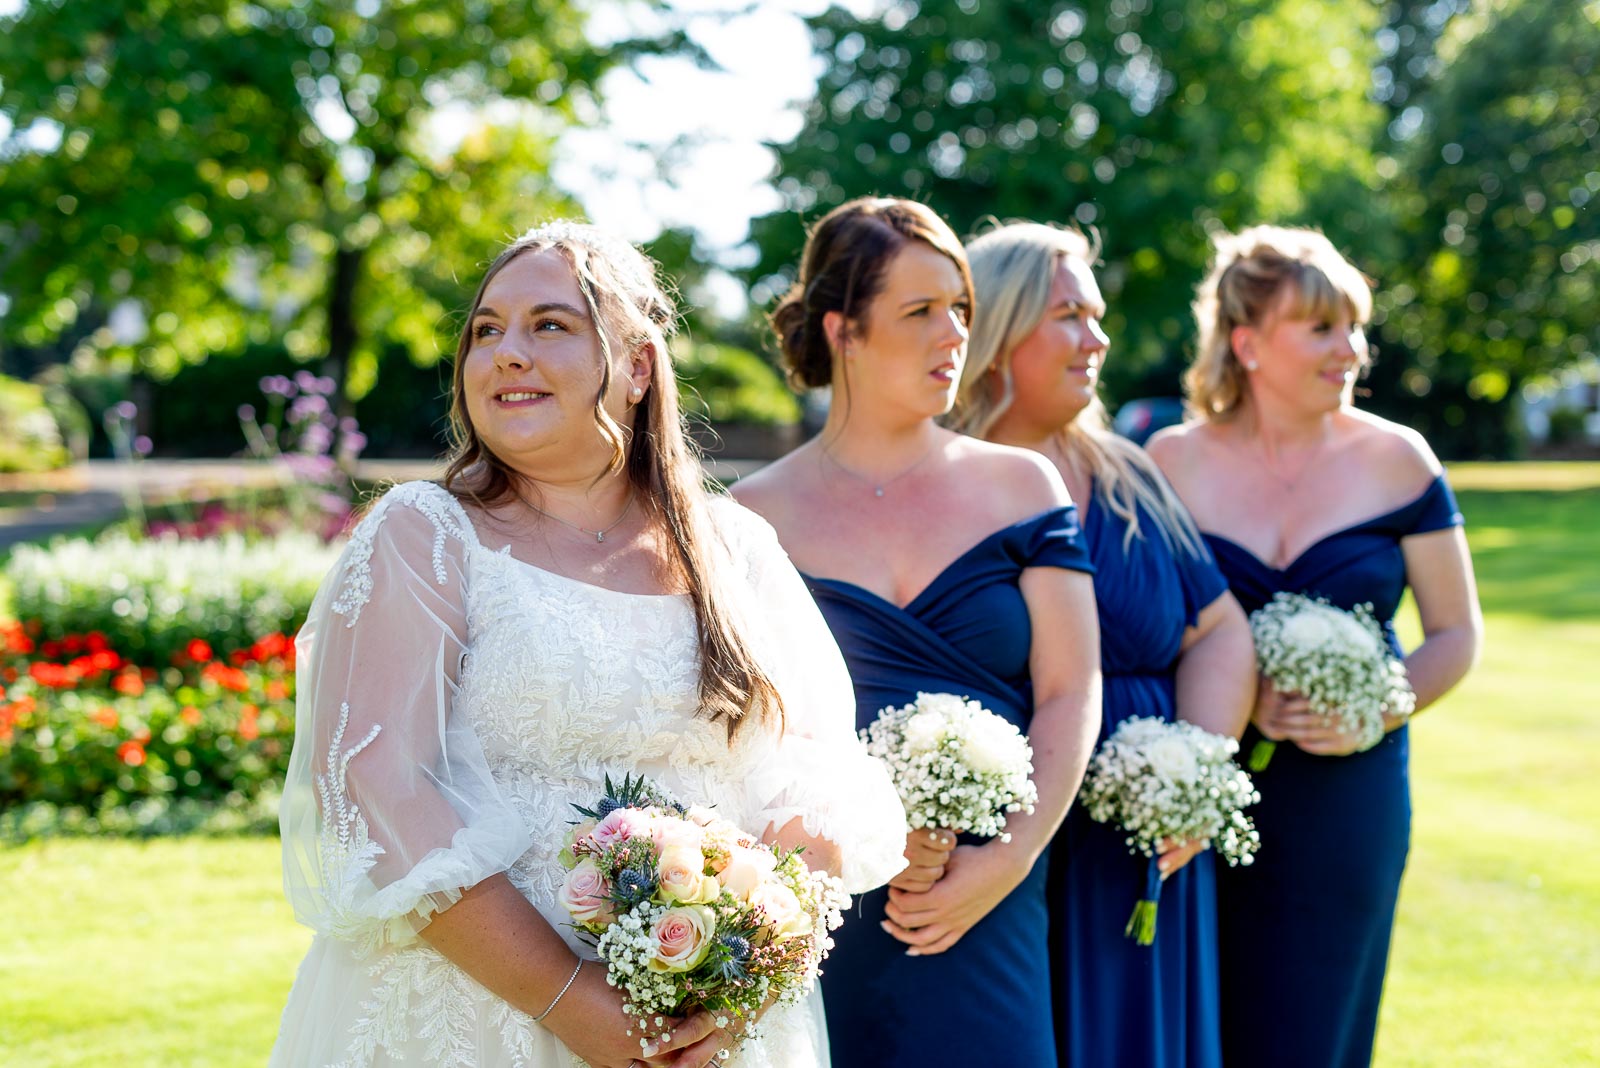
<point x="1495" y="178"/>
<point x="1154" y="122"/>
<point x="185" y="177"/>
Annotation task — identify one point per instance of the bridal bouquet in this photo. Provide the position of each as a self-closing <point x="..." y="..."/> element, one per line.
<point x="1337" y="660"/>
<point x="1157" y="780"/>
<point x="955" y="764"/>
<point x="689" y="912"/>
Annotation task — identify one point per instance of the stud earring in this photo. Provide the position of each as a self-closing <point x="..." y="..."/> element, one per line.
<point x="1250" y="365"/>
<point x="635" y="393"/>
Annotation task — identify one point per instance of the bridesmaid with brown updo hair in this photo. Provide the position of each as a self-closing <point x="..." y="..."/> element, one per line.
<point x="943" y="564"/>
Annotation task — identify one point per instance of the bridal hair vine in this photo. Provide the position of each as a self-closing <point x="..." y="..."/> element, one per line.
<point x="571" y="232"/>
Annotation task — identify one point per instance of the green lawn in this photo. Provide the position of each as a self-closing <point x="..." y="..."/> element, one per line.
<point x="180" y="953"/>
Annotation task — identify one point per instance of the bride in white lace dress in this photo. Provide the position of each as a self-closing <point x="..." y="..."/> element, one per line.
<point x="479" y="660"/>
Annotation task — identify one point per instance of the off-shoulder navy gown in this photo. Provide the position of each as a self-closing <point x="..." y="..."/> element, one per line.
<point x="986" y="1000"/>
<point x="1119" y="1004"/>
<point x="1305" y="929"/>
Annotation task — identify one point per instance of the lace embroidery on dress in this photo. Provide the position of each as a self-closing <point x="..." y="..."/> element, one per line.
<point x="347" y="851"/>
<point x="433" y="501"/>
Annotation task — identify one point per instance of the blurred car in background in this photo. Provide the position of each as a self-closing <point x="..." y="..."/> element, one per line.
<point x="1138" y="419"/>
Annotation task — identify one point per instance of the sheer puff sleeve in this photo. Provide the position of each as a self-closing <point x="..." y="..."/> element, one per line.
<point x="389" y="810"/>
<point x="818" y="770"/>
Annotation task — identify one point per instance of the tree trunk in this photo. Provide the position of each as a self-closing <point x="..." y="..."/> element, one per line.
<point x="342" y="321"/>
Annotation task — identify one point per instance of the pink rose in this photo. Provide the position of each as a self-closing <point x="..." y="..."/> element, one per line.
<point x="682" y="937"/>
<point x="782" y="908"/>
<point x="586" y="895"/>
<point x="745" y="870"/>
<point x="683" y="879"/>
<point x="669" y="833"/>
<point x="619" y="826"/>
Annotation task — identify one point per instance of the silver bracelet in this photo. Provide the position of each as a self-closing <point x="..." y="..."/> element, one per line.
<point x="570" y="980"/>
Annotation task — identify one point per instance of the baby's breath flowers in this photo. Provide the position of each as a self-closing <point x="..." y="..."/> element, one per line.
<point x="956" y="764"/>
<point x="1337" y="660"/>
<point x="1158" y="780"/>
<point x="689" y="912"/>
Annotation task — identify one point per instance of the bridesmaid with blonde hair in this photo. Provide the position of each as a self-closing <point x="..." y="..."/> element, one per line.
<point x="1174" y="645"/>
<point x="1298" y="490"/>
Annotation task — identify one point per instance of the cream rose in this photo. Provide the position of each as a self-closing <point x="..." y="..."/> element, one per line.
<point x="923" y="732"/>
<point x="1173" y="760"/>
<point x="991" y="747"/>
<point x="586" y="895"/>
<point x="683" y="879"/>
<point x="745" y="870"/>
<point x="783" y="909"/>
<point x="670" y="833"/>
<point x="682" y="937"/>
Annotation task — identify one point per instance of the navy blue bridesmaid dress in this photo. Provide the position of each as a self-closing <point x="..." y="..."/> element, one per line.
<point x="1305" y="929"/>
<point x="986" y="1000"/>
<point x="1119" y="1004"/>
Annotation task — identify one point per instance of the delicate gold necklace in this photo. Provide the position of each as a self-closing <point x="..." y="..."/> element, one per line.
<point x="879" y="486"/>
<point x="599" y="535"/>
<point x="1289" y="484"/>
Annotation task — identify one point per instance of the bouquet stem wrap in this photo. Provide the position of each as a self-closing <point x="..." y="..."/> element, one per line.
<point x="1142" y="924"/>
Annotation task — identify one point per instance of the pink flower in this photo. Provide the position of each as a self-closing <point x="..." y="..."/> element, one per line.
<point x="668" y="833"/>
<point x="682" y="937"/>
<point x="586" y="894"/>
<point x="745" y="870"/>
<point x="619" y="826"/>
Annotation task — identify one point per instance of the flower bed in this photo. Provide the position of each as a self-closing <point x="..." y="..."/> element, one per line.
<point x="150" y="598"/>
<point x="105" y="741"/>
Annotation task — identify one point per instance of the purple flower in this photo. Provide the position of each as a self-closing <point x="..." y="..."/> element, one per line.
<point x="126" y="410"/>
<point x="306" y="381"/>
<point x="349" y="425"/>
<point x="307" y="407"/>
<point x="246" y="413"/>
<point x="315" y="439"/>
<point x="277" y="385"/>
<point x="143" y="445"/>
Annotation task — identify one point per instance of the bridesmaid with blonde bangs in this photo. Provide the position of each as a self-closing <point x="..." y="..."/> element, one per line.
<point x="1174" y="645"/>
<point x="1297" y="490"/>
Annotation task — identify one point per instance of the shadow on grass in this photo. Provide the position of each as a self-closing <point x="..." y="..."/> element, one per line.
<point x="1536" y="553"/>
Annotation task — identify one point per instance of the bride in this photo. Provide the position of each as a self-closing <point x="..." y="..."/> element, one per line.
<point x="567" y="604"/>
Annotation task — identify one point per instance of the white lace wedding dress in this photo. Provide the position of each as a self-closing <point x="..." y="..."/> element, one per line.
<point x="455" y="701"/>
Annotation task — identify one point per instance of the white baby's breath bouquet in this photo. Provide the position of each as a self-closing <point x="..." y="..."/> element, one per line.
<point x="956" y="764"/>
<point x="1337" y="660"/>
<point x="1160" y="780"/>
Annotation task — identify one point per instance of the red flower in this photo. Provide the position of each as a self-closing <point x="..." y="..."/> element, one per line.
<point x="131" y="754"/>
<point x="96" y="642"/>
<point x="9" y="674"/>
<point x="277" y="690"/>
<point x="72" y="644"/>
<point x="54" y="676"/>
<point x="249" y="730"/>
<point x="198" y="650"/>
<point x="50" y="650"/>
<point x="190" y="715"/>
<point x="106" y="716"/>
<point x="128" y="683"/>
<point x="229" y="678"/>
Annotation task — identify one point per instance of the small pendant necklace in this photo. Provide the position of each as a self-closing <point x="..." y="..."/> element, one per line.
<point x="879" y="486"/>
<point x="599" y="535"/>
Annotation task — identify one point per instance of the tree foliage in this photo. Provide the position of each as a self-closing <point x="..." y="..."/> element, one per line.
<point x="1153" y="122"/>
<point x="250" y="170"/>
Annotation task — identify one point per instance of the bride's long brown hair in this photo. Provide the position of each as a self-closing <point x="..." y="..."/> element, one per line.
<point x="631" y="308"/>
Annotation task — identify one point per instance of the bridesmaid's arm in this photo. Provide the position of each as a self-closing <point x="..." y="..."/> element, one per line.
<point x="1439" y="570"/>
<point x="1066" y="721"/>
<point x="1216" y="678"/>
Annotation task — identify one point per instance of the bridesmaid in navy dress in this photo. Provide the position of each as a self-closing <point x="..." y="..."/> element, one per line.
<point x="1297" y="490"/>
<point x="1173" y="644"/>
<point x="942" y="564"/>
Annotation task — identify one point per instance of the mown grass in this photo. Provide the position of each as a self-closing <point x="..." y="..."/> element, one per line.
<point x="180" y="952"/>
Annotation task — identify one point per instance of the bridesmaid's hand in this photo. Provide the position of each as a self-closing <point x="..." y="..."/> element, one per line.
<point x="976" y="879"/>
<point x="1175" y="854"/>
<point x="1274" y="709"/>
<point x="590" y="1020"/>
<point x="927" y="852"/>
<point x="1320" y="736"/>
